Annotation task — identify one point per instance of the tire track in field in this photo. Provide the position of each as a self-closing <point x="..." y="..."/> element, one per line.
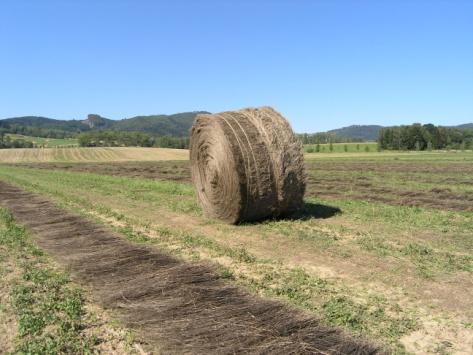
<point x="175" y="306"/>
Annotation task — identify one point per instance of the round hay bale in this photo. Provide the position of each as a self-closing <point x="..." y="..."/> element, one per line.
<point x="246" y="165"/>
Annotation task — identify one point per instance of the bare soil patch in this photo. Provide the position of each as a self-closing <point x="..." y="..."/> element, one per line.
<point x="391" y="166"/>
<point x="175" y="306"/>
<point x="365" y="190"/>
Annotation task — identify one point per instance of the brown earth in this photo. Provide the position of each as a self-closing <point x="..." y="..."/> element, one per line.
<point x="164" y="169"/>
<point x="391" y="166"/>
<point x="175" y="306"/>
<point x="361" y="189"/>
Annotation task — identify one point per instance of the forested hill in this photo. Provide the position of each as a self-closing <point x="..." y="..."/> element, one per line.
<point x="365" y="133"/>
<point x="371" y="132"/>
<point x="177" y="125"/>
<point x="42" y="122"/>
<point x="464" y="126"/>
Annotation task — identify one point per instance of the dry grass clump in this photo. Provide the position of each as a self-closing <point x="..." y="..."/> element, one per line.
<point x="246" y="165"/>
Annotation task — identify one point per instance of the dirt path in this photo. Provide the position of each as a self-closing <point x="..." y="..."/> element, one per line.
<point x="174" y="306"/>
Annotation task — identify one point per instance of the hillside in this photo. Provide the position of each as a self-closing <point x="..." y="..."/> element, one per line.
<point x="465" y="126"/>
<point x="172" y="125"/>
<point x="370" y="132"/>
<point x="97" y="122"/>
<point x="366" y="133"/>
<point x="177" y="125"/>
<point x="42" y="123"/>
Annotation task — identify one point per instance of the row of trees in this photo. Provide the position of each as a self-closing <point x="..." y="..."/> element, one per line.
<point x="324" y="138"/>
<point x="36" y="131"/>
<point x="424" y="137"/>
<point x="321" y="148"/>
<point x="130" y="139"/>
<point x="412" y="137"/>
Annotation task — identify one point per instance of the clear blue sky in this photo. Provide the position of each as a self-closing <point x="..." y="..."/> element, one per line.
<point x="323" y="64"/>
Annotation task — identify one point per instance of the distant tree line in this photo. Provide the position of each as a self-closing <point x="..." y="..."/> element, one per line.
<point x="7" y="142"/>
<point x="130" y="139"/>
<point x="325" y="138"/>
<point x="424" y="137"/>
<point x="321" y="148"/>
<point x="177" y="125"/>
<point x="36" y="131"/>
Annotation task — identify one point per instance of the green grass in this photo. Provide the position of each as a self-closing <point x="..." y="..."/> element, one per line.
<point x="48" y="308"/>
<point x="401" y="253"/>
<point x="47" y="142"/>
<point x="449" y="248"/>
<point x="332" y="301"/>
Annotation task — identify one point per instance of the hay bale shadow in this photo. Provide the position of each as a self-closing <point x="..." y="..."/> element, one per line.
<point x="308" y="211"/>
<point x="313" y="210"/>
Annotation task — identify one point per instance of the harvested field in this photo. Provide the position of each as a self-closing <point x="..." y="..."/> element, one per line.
<point x="446" y="184"/>
<point x="175" y="306"/>
<point x="359" y="256"/>
<point x="439" y="183"/>
<point x="177" y="170"/>
<point x="91" y="154"/>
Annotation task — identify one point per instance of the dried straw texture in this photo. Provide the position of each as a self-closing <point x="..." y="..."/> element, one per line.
<point x="246" y="165"/>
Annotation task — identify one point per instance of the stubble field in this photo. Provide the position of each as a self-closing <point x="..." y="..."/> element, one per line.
<point x="383" y="248"/>
<point x="82" y="154"/>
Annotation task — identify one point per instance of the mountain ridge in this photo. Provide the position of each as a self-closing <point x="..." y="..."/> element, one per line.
<point x="177" y="125"/>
